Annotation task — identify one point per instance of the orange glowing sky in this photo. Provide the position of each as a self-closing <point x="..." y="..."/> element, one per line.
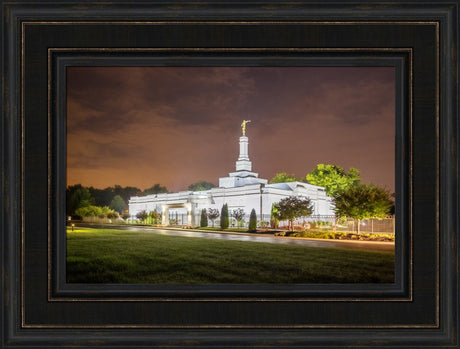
<point x="137" y="126"/>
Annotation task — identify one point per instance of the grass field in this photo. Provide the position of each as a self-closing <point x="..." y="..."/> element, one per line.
<point x="117" y="256"/>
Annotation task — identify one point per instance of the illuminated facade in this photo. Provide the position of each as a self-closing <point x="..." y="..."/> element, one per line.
<point x="242" y="189"/>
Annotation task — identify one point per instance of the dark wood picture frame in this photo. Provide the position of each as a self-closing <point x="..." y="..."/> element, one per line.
<point x="41" y="38"/>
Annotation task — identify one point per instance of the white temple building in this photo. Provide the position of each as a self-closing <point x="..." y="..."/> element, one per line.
<point x="241" y="189"/>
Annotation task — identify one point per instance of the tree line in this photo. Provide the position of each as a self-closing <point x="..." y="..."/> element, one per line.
<point x="116" y="198"/>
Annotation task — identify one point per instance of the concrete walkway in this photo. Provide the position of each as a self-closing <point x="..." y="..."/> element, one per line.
<point x="328" y="243"/>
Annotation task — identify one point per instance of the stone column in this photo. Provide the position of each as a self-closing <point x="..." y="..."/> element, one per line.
<point x="243" y="163"/>
<point x="188" y="206"/>
<point x="244" y="155"/>
<point x="164" y="215"/>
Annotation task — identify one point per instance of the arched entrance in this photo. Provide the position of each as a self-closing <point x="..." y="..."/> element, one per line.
<point x="165" y="212"/>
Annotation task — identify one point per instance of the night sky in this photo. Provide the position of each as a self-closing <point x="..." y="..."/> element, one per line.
<point x="137" y="126"/>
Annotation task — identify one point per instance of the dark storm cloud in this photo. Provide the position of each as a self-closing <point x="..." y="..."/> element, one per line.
<point x="109" y="96"/>
<point x="94" y="154"/>
<point x="144" y="125"/>
<point x="348" y="95"/>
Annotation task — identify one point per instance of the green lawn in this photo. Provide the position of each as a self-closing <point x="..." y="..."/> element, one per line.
<point x="117" y="256"/>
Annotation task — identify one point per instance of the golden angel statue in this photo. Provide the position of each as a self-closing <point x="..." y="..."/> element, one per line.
<point x="243" y="126"/>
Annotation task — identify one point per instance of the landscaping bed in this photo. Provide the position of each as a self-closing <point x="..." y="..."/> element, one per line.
<point x="339" y="235"/>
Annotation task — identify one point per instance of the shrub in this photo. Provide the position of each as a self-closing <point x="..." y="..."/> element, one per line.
<point x="224" y="219"/>
<point x="153" y="217"/>
<point x="204" y="218"/>
<point x="264" y="224"/>
<point x="142" y="216"/>
<point x="89" y="211"/>
<point x="252" y="222"/>
<point x="318" y="234"/>
<point x="106" y="210"/>
<point x="113" y="215"/>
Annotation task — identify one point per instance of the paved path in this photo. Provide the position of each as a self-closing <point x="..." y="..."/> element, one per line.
<point x="365" y="245"/>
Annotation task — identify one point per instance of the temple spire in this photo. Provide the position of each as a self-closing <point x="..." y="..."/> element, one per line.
<point x="243" y="175"/>
<point x="243" y="163"/>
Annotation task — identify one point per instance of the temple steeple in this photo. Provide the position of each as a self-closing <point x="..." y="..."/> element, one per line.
<point x="243" y="175"/>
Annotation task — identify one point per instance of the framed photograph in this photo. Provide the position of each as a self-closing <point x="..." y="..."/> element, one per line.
<point x="186" y="150"/>
<point x="182" y="115"/>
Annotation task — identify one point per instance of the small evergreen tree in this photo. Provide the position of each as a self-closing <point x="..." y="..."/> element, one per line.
<point x="118" y="204"/>
<point x="204" y="218"/>
<point x="253" y="222"/>
<point x="224" y="219"/>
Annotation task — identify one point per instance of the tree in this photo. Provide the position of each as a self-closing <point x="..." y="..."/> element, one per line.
<point x="293" y="207"/>
<point x="204" y="218"/>
<point x="200" y="186"/>
<point x="224" y="219"/>
<point x="104" y="197"/>
<point x="363" y="201"/>
<point x="274" y="216"/>
<point x="118" y="204"/>
<point x="126" y="192"/>
<point x="252" y="222"/>
<point x="239" y="214"/>
<point x="89" y="211"/>
<point x="213" y="213"/>
<point x="283" y="177"/>
<point x="77" y="196"/>
<point x="333" y="178"/>
<point x="142" y="216"/>
<point x="155" y="189"/>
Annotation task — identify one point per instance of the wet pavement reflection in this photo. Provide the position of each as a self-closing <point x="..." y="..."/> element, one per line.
<point x="381" y="246"/>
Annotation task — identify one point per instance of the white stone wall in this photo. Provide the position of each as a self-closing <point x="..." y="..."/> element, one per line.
<point x="247" y="198"/>
<point x="255" y="196"/>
